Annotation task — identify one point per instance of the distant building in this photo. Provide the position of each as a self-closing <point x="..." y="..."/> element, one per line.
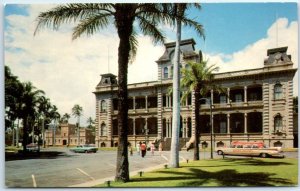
<point x="257" y="105"/>
<point x="66" y="134"/>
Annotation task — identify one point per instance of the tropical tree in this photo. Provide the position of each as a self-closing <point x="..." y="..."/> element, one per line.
<point x="90" y="121"/>
<point x="66" y="117"/>
<point x="179" y="10"/>
<point x="29" y="99"/>
<point x="198" y="79"/>
<point x="77" y="112"/>
<point x="93" y="17"/>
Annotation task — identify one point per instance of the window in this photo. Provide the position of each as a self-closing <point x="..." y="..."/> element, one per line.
<point x="238" y="98"/>
<point x="166" y="72"/>
<point x="222" y="99"/>
<point x="223" y="127"/>
<point x="278" y="91"/>
<point x="103" y="131"/>
<point x="103" y="106"/>
<point x="253" y="96"/>
<point x="278" y="122"/>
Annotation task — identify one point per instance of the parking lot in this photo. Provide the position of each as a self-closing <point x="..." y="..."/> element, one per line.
<point x="62" y="168"/>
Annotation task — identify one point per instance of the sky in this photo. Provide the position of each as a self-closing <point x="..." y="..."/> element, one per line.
<point x="237" y="36"/>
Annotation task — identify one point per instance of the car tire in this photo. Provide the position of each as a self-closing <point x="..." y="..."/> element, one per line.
<point x="263" y="155"/>
<point x="220" y="152"/>
<point x="86" y="151"/>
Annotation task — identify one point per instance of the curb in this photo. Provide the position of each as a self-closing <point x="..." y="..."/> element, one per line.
<point x="103" y="180"/>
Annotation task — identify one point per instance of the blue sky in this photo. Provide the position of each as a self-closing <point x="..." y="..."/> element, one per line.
<point x="237" y="37"/>
<point x="229" y="27"/>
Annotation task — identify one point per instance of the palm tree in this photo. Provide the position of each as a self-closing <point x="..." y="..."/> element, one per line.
<point x="77" y="112"/>
<point x="179" y="9"/>
<point x="66" y="117"/>
<point x="29" y="99"/>
<point x="198" y="79"/>
<point x="94" y="17"/>
<point x="90" y="121"/>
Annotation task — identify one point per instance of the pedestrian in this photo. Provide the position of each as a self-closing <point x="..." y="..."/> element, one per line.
<point x="130" y="150"/>
<point x="160" y="148"/>
<point x="152" y="148"/>
<point x="138" y="148"/>
<point x="143" y="149"/>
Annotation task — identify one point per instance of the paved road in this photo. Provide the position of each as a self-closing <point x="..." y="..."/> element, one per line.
<point x="65" y="168"/>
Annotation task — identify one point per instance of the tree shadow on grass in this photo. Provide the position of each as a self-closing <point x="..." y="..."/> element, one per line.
<point x="256" y="162"/>
<point x="229" y="177"/>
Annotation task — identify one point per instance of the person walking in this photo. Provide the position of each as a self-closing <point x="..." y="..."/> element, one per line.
<point x="143" y="149"/>
<point x="160" y="148"/>
<point x="138" y="148"/>
<point x="152" y="148"/>
<point x="130" y="150"/>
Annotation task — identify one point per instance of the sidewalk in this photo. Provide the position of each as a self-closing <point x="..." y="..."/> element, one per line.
<point x="103" y="180"/>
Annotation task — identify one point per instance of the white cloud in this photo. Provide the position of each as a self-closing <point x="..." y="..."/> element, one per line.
<point x="68" y="71"/>
<point x="279" y="35"/>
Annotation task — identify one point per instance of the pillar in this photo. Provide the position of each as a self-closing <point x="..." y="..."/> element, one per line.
<point x="146" y="102"/>
<point x="133" y="99"/>
<point x="245" y="95"/>
<point x="245" y="123"/>
<point x="228" y="123"/>
<point x="133" y="124"/>
<point x="212" y="96"/>
<point x="228" y="95"/>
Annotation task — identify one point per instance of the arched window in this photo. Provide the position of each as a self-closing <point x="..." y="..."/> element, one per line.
<point x="166" y="72"/>
<point x="278" y="91"/>
<point x="103" y="106"/>
<point x="278" y="122"/>
<point x="103" y="130"/>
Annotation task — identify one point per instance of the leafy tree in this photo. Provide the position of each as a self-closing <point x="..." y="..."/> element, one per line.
<point x="198" y="78"/>
<point x="179" y="10"/>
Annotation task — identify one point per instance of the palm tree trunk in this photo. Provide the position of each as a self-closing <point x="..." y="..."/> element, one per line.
<point x="25" y="133"/>
<point x="174" y="158"/>
<point x="197" y="124"/>
<point x="124" y="26"/>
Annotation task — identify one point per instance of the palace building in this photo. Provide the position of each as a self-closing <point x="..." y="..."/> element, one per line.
<point x="257" y="104"/>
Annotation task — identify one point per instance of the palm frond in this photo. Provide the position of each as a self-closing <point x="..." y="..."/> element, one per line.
<point x="149" y="27"/>
<point x="91" y="25"/>
<point x="70" y="13"/>
<point x="133" y="46"/>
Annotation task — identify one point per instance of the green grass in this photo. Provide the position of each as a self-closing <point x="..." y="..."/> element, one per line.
<point x="220" y="172"/>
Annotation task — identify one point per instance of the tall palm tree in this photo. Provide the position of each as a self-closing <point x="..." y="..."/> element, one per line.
<point x="92" y="18"/>
<point x="29" y="99"/>
<point x="198" y="78"/>
<point x="179" y="10"/>
<point x="77" y="112"/>
<point x="66" y="117"/>
<point x="90" y="121"/>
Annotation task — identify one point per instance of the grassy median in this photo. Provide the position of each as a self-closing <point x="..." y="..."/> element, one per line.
<point x="220" y="172"/>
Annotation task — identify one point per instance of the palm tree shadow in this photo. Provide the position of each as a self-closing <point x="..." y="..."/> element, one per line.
<point x="228" y="177"/>
<point x="256" y="162"/>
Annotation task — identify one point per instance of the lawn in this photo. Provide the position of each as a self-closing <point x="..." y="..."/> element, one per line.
<point x="220" y="172"/>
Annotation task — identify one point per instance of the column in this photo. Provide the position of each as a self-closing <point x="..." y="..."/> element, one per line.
<point x="133" y="123"/>
<point x="167" y="128"/>
<point x="212" y="96"/>
<point x="228" y="123"/>
<point x="170" y="101"/>
<point x="245" y="123"/>
<point x="228" y="95"/>
<point x="133" y="100"/>
<point x="183" y="128"/>
<point x="146" y="102"/>
<point x="245" y="94"/>
<point x="167" y="100"/>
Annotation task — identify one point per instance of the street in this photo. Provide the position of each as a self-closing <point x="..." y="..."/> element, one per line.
<point x="66" y="168"/>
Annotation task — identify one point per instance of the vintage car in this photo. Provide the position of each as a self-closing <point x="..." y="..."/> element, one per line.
<point x="32" y="147"/>
<point x="84" y="149"/>
<point x="256" y="149"/>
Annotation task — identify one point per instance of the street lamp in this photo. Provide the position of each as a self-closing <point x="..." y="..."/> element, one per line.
<point x="211" y="127"/>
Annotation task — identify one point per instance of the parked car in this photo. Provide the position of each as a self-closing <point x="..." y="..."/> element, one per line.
<point x="32" y="147"/>
<point x="84" y="149"/>
<point x="257" y="149"/>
